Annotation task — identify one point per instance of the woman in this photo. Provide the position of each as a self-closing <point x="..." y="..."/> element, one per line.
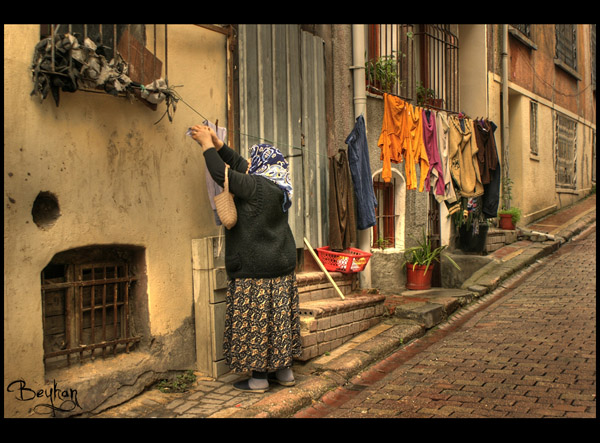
<point x="262" y="320"/>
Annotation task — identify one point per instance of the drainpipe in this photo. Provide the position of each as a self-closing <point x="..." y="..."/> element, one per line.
<point x="504" y="54"/>
<point x="360" y="107"/>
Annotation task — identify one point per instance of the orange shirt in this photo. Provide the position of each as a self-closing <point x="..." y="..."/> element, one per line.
<point x="416" y="153"/>
<point x="393" y="140"/>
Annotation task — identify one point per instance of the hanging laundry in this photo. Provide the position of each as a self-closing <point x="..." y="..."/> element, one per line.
<point x="487" y="157"/>
<point x="212" y="187"/>
<point x="360" y="168"/>
<point x="342" y="222"/>
<point x="462" y="151"/>
<point x="393" y="140"/>
<point x="75" y="66"/>
<point x="416" y="153"/>
<point x="489" y="166"/>
<point x="443" y="129"/>
<point x="435" y="175"/>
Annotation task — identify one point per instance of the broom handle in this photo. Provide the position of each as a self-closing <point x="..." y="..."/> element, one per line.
<point x="312" y="251"/>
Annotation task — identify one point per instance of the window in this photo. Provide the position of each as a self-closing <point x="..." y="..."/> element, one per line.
<point x="118" y="64"/>
<point x="565" y="149"/>
<point x="593" y="50"/>
<point x="384" y="231"/>
<point x="566" y="45"/>
<point x="90" y="309"/>
<point x="390" y="60"/>
<point x="533" y="123"/>
<point x="524" y="29"/>
<point x="416" y="62"/>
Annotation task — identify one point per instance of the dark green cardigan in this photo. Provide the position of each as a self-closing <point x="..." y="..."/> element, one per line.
<point x="261" y="244"/>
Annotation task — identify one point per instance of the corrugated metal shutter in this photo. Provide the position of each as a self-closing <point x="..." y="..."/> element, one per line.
<point x="282" y="102"/>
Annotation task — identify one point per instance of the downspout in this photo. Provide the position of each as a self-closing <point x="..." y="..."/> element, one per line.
<point x="360" y="107"/>
<point x="505" y="117"/>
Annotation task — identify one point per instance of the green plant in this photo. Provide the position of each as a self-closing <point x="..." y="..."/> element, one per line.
<point x="506" y="192"/>
<point x="181" y="383"/>
<point x="424" y="95"/>
<point x="383" y="243"/>
<point x="382" y="71"/>
<point x="514" y="212"/>
<point x="423" y="254"/>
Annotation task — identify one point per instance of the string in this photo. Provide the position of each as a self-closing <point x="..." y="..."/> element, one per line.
<point x="178" y="97"/>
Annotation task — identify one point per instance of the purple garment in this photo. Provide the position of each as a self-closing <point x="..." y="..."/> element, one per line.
<point x="435" y="175"/>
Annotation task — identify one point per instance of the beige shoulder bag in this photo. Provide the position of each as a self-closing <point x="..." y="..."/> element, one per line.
<point x="225" y="205"/>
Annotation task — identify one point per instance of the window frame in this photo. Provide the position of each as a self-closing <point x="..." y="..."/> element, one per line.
<point x="565" y="152"/>
<point x="385" y="215"/>
<point x="84" y="311"/>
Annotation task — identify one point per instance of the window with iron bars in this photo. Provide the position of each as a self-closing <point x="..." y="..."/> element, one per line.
<point x="565" y="147"/>
<point x="384" y="231"/>
<point x="533" y="133"/>
<point x="114" y="42"/>
<point x="418" y="63"/>
<point x="524" y="29"/>
<point x="88" y="309"/>
<point x="566" y="44"/>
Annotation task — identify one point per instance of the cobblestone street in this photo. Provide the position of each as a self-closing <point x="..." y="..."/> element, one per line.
<point x="530" y="354"/>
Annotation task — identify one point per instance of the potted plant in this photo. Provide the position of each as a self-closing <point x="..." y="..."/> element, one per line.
<point x="509" y="217"/>
<point x="418" y="260"/>
<point x="471" y="225"/>
<point x="382" y="72"/>
<point x="427" y="97"/>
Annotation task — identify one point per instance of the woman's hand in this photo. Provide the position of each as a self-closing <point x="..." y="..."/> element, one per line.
<point x="206" y="137"/>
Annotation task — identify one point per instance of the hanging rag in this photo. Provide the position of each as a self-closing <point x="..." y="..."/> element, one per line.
<point x="435" y="174"/>
<point x="393" y="140"/>
<point x="360" y="168"/>
<point x="76" y="66"/>
<point x="462" y="151"/>
<point x="416" y="153"/>
<point x="489" y="166"/>
<point x="211" y="186"/>
<point x="442" y="129"/>
<point x="342" y="222"/>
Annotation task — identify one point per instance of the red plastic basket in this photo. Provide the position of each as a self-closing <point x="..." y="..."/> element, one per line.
<point x="347" y="261"/>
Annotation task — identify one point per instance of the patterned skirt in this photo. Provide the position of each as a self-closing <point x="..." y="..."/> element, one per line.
<point x="262" y="323"/>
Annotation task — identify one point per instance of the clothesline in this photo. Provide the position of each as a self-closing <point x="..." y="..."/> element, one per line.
<point x="422" y="106"/>
<point x="260" y="138"/>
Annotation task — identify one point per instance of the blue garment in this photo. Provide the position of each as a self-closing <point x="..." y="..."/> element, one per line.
<point x="360" y="168"/>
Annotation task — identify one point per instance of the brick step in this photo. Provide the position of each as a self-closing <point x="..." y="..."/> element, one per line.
<point x="498" y="238"/>
<point x="330" y="322"/>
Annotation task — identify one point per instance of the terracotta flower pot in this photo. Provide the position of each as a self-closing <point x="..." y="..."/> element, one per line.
<point x="506" y="222"/>
<point x="418" y="279"/>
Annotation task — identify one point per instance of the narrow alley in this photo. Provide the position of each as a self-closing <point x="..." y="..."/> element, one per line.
<point x="530" y="354"/>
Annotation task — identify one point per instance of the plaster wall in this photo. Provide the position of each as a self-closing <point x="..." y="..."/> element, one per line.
<point x="119" y="177"/>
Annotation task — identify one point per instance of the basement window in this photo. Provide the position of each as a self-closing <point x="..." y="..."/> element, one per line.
<point x="92" y="304"/>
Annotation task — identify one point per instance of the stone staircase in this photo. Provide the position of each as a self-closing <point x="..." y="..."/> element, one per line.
<point x="327" y="321"/>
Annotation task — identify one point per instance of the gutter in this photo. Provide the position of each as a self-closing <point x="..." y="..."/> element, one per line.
<point x="505" y="123"/>
<point x="360" y="107"/>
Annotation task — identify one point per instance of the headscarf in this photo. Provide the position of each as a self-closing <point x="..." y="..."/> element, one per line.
<point x="269" y="162"/>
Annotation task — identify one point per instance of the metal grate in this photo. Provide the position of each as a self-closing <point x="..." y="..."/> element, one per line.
<point x="565" y="149"/>
<point x="524" y="29"/>
<point x="566" y="44"/>
<point x="533" y="134"/>
<point x="86" y="308"/>
<point x="384" y="231"/>
<point x="418" y="63"/>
